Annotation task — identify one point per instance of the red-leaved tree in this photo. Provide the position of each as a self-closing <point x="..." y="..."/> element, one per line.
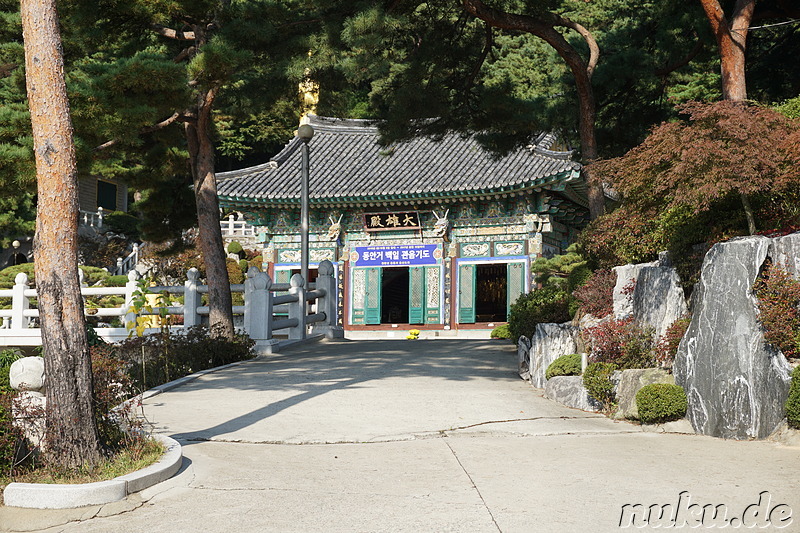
<point x="717" y="151"/>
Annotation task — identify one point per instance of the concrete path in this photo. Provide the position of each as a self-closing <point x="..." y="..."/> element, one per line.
<point x="416" y="436"/>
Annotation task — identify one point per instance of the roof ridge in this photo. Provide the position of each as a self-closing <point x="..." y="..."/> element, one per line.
<point x="348" y="125"/>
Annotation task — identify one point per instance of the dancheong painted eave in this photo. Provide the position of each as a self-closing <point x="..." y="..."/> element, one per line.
<point x="349" y="167"/>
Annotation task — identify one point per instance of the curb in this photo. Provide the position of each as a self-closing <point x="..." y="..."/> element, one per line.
<point x="65" y="496"/>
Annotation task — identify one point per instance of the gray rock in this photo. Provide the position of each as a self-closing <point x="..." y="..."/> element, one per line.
<point x="657" y="299"/>
<point x="548" y="343"/>
<point x="736" y="385"/>
<point x="27" y="374"/>
<point x="626" y="276"/>
<point x="569" y="391"/>
<point x="524" y="357"/>
<point x="676" y="426"/>
<point x="631" y="381"/>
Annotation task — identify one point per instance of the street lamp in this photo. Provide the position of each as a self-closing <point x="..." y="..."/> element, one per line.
<point x="305" y="132"/>
<point x="16" y="244"/>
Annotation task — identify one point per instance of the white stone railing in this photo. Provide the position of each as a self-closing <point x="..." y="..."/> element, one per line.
<point x="128" y="263"/>
<point x="261" y="297"/>
<point x="91" y="218"/>
<point x="236" y="226"/>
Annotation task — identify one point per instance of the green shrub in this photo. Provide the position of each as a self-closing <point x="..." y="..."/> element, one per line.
<point x="10" y="436"/>
<point x="116" y="281"/>
<point x="793" y="401"/>
<point x="501" y="332"/>
<point x="159" y="358"/>
<point x="8" y="356"/>
<point x="7" y="275"/>
<point x="566" y="365"/>
<point x="661" y="402"/>
<point x="235" y="274"/>
<point x="121" y="222"/>
<point x="243" y="265"/>
<point x="92" y="275"/>
<point x="5" y="380"/>
<point x="257" y="261"/>
<point x="235" y="247"/>
<point x="548" y="304"/>
<point x="598" y="383"/>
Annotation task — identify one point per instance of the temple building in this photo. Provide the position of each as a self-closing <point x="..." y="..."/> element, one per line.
<point x="429" y="234"/>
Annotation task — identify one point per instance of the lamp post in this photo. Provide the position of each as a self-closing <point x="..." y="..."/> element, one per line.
<point x="16" y="244"/>
<point x="305" y="132"/>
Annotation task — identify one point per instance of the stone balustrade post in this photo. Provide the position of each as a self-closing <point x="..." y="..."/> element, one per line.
<point x="99" y="217"/>
<point x="327" y="304"/>
<point x="130" y="287"/>
<point x="191" y="299"/>
<point x="19" y="302"/>
<point x="258" y="309"/>
<point x="298" y="309"/>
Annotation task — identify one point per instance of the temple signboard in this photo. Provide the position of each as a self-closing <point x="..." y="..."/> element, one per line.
<point x="396" y="220"/>
<point x="405" y="255"/>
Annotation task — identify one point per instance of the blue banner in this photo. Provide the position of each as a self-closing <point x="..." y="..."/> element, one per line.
<point x="408" y="255"/>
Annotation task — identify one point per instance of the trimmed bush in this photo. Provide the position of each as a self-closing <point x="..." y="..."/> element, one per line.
<point x="793" y="401"/>
<point x="257" y="261"/>
<point x="7" y="275"/>
<point x="124" y="223"/>
<point x="661" y="402"/>
<point x="566" y="365"/>
<point x="548" y="304"/>
<point x="501" y="332"/>
<point x="235" y="247"/>
<point x="235" y="275"/>
<point x="597" y="380"/>
<point x="116" y="281"/>
<point x="243" y="265"/>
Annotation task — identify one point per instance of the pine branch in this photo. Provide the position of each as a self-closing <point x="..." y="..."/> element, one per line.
<point x="149" y="129"/>
<point x="672" y="67"/>
<point x="173" y="34"/>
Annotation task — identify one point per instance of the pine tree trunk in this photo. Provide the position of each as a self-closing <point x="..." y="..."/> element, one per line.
<point x="732" y="42"/>
<point x="201" y="154"/>
<point x="72" y="437"/>
<point x="543" y="25"/>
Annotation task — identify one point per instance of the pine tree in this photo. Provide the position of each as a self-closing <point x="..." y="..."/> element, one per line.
<point x="72" y="436"/>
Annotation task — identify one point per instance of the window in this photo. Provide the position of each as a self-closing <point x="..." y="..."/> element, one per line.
<point x="106" y="195"/>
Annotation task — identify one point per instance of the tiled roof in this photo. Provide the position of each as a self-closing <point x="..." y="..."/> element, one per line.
<point x="347" y="163"/>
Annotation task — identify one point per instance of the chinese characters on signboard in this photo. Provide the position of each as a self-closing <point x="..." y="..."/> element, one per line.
<point x="420" y="254"/>
<point x="391" y="221"/>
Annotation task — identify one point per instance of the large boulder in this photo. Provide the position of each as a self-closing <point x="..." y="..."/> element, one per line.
<point x="27" y="374"/>
<point x="735" y="383"/>
<point x="569" y="391"/>
<point x="657" y="299"/>
<point x="524" y="357"/>
<point x="548" y="343"/>
<point x="631" y="381"/>
<point x="627" y="279"/>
